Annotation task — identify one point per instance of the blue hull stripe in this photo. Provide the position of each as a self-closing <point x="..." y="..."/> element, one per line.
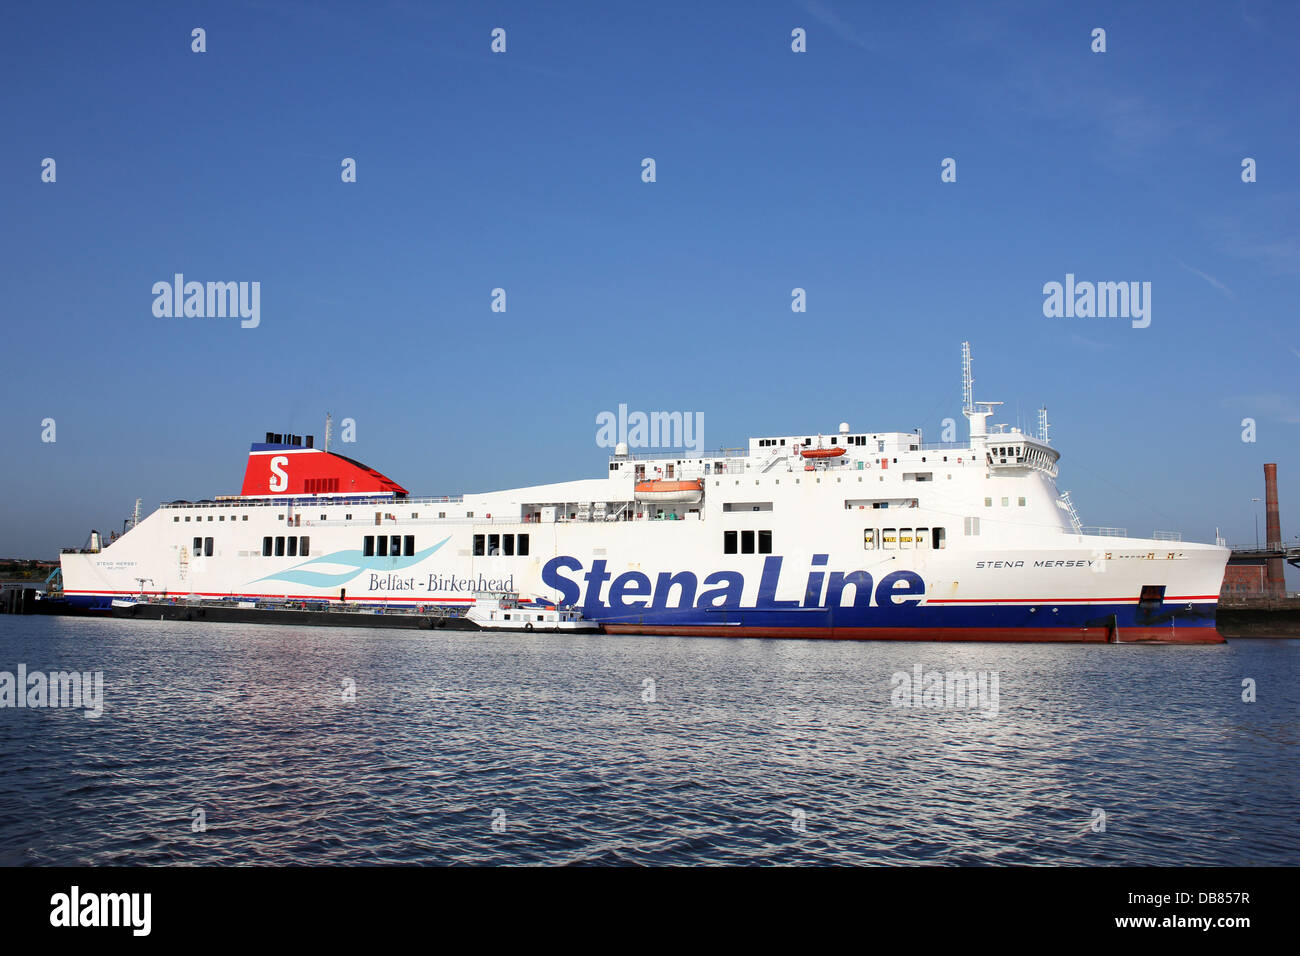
<point x="1197" y="614"/>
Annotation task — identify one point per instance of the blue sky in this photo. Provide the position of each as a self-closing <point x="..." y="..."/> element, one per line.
<point x="522" y="170"/>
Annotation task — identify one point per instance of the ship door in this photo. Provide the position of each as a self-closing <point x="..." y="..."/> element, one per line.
<point x="1151" y="598"/>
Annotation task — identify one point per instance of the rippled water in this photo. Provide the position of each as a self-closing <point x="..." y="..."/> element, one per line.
<point x="550" y="736"/>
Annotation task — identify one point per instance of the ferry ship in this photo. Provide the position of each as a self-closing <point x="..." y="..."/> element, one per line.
<point x="850" y="534"/>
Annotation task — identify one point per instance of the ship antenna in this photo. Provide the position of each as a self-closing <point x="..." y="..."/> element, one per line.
<point x="977" y="412"/>
<point x="1043" y="426"/>
<point x="967" y="380"/>
<point x="329" y="427"/>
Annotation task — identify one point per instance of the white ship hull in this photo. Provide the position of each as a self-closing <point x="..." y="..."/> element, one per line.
<point x="894" y="540"/>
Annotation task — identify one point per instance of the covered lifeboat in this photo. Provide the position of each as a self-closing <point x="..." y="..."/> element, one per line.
<point x="668" y="490"/>
<point x="822" y="452"/>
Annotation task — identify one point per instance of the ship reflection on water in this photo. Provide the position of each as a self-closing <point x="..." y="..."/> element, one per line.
<point x="321" y="745"/>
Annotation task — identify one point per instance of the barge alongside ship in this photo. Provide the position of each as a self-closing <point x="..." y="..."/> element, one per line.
<point x="505" y="612"/>
<point x="867" y="535"/>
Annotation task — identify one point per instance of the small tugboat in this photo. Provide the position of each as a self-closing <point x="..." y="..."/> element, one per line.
<point x="508" y="612"/>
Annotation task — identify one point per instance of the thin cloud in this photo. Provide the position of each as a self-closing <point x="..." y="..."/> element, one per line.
<point x="1252" y="21"/>
<point x="1275" y="406"/>
<point x="1085" y="343"/>
<point x="1279" y="257"/>
<point x="1208" y="278"/>
<point x="844" y="30"/>
<point x="1263" y="239"/>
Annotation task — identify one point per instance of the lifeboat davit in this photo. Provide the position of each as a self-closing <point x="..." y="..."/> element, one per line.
<point x="667" y="490"/>
<point x="822" y="452"/>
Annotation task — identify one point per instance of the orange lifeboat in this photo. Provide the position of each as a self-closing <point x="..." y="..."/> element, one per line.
<point x="822" y="452"/>
<point x="667" y="490"/>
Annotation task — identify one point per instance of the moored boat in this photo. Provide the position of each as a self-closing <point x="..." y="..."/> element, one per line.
<point x="508" y="612"/>
<point x="853" y="534"/>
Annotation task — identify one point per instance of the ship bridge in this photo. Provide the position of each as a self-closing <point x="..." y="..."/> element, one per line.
<point x="1006" y="450"/>
<point x="1011" y="450"/>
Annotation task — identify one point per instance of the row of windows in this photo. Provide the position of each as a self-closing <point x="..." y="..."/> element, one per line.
<point x="848" y="440"/>
<point x="291" y="546"/>
<point x="746" y="542"/>
<point x="493" y="545"/>
<point x="202" y="547"/>
<point x="839" y="479"/>
<point x="379" y="516"/>
<point x="1016" y="454"/>
<point x="1006" y="502"/>
<point x="388" y="545"/>
<point x="667" y="471"/>
<point x="297" y="519"/>
<point x="892" y="539"/>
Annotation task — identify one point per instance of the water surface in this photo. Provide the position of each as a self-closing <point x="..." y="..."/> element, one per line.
<point x="751" y="751"/>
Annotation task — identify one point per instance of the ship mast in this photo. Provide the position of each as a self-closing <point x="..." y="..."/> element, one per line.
<point x="967" y="381"/>
<point x="977" y="412"/>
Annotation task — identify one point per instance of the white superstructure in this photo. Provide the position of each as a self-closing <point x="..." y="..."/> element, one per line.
<point x="852" y="533"/>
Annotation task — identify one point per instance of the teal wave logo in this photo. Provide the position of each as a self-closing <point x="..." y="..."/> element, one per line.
<point x="355" y="561"/>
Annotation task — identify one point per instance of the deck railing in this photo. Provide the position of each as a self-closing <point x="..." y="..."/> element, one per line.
<point x="311" y="502"/>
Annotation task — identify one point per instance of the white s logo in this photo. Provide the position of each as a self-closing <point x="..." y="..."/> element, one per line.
<point x="279" y="477"/>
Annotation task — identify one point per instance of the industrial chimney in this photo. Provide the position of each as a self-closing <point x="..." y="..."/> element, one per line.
<point x="1275" y="575"/>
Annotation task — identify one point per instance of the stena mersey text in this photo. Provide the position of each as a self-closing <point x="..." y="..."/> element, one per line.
<point x="1011" y="565"/>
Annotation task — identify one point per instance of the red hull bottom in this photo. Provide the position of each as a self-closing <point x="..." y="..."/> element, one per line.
<point x="1001" y="635"/>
